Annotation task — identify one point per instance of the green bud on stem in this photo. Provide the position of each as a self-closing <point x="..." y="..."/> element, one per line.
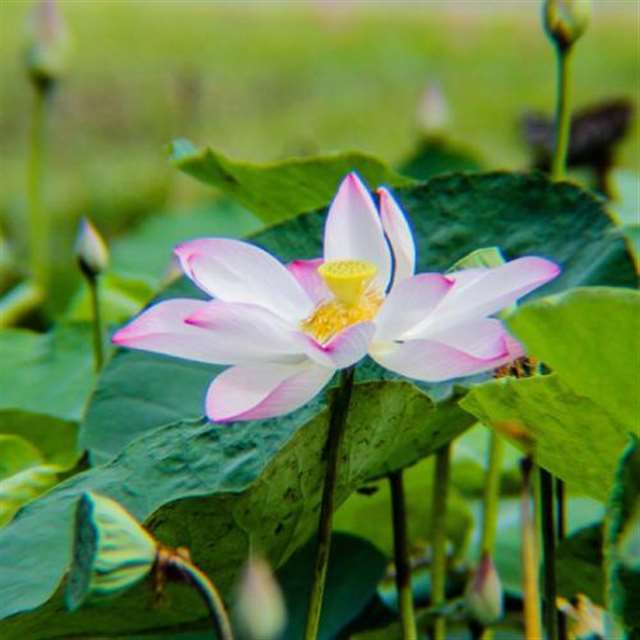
<point x="47" y="44"/>
<point x="483" y="595"/>
<point x="91" y="250"/>
<point x="566" y="20"/>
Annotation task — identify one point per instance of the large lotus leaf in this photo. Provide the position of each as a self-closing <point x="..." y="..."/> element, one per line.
<point x="622" y="544"/>
<point x="216" y="489"/>
<point x="50" y="374"/>
<point x="16" y="454"/>
<point x="625" y="209"/>
<point x="573" y="437"/>
<point x="280" y="190"/>
<point x="590" y="337"/>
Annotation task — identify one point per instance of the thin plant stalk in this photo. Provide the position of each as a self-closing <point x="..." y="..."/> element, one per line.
<point x="337" y="423"/>
<point x="561" y="530"/>
<point x="98" y="328"/>
<point x="563" y="112"/>
<point x="549" y="553"/>
<point x="200" y="581"/>
<point x="491" y="498"/>
<point x="401" y="556"/>
<point x="39" y="232"/>
<point x="531" y="595"/>
<point x="439" y="537"/>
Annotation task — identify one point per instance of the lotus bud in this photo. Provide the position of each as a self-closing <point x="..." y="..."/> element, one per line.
<point x="260" y="610"/>
<point x="48" y="44"/>
<point x="566" y="20"/>
<point x="91" y="250"/>
<point x="433" y="111"/>
<point x="483" y="596"/>
<point x="111" y="551"/>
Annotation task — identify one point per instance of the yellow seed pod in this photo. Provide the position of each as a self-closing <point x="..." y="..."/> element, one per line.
<point x="111" y="551"/>
<point x="566" y="20"/>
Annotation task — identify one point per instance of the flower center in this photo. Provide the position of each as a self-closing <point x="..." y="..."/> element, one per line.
<point x="354" y="300"/>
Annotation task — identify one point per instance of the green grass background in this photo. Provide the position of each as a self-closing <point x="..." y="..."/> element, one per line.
<point x="263" y="80"/>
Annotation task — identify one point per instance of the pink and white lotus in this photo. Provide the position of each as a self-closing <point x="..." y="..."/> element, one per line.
<point x="285" y="330"/>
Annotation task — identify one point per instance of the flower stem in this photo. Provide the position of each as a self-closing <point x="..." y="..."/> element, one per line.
<point x="401" y="556"/>
<point x="532" y="625"/>
<point x="200" y="581"/>
<point x="549" y="552"/>
<point x="563" y="112"/>
<point x="98" y="329"/>
<point x="38" y="221"/>
<point x="561" y="526"/>
<point x="439" y="537"/>
<point x="337" y="422"/>
<point x="492" y="493"/>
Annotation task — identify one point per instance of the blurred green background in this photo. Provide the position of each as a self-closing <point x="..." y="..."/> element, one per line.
<point x="265" y="80"/>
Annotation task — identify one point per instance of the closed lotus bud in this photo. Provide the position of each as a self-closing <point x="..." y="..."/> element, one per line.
<point x="566" y="20"/>
<point x="260" y="610"/>
<point x="91" y="250"/>
<point x="433" y="111"/>
<point x="48" y="43"/>
<point x="483" y="596"/>
<point x="111" y="551"/>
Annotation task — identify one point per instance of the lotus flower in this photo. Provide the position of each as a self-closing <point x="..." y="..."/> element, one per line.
<point x="285" y="330"/>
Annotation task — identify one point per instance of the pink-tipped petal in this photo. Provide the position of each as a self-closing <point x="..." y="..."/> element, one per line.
<point x="247" y="331"/>
<point x="306" y="273"/>
<point x="236" y="271"/>
<point x="408" y="303"/>
<point x="345" y="349"/>
<point x="255" y="392"/>
<point x="432" y="361"/>
<point x="400" y="238"/>
<point x="484" y="338"/>
<point x="353" y="230"/>
<point x="163" y="329"/>
<point x="478" y="293"/>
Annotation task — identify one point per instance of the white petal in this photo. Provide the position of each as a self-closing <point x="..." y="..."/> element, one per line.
<point x="482" y="338"/>
<point x="254" y="392"/>
<point x="353" y="230"/>
<point x="433" y="361"/>
<point x="236" y="271"/>
<point x="163" y="329"/>
<point x="247" y="331"/>
<point x="345" y="349"/>
<point x="483" y="292"/>
<point x="409" y="303"/>
<point x="399" y="235"/>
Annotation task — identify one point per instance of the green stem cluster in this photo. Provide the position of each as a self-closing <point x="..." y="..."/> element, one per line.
<point x="337" y="423"/>
<point x="401" y="556"/>
<point x="439" y="537"/>
<point x="98" y="328"/>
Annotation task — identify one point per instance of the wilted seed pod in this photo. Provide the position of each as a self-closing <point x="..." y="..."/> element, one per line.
<point x="433" y="110"/>
<point x="483" y="596"/>
<point x="48" y="43"/>
<point x="111" y="551"/>
<point x="260" y="610"/>
<point x="566" y="20"/>
<point x="91" y="250"/>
